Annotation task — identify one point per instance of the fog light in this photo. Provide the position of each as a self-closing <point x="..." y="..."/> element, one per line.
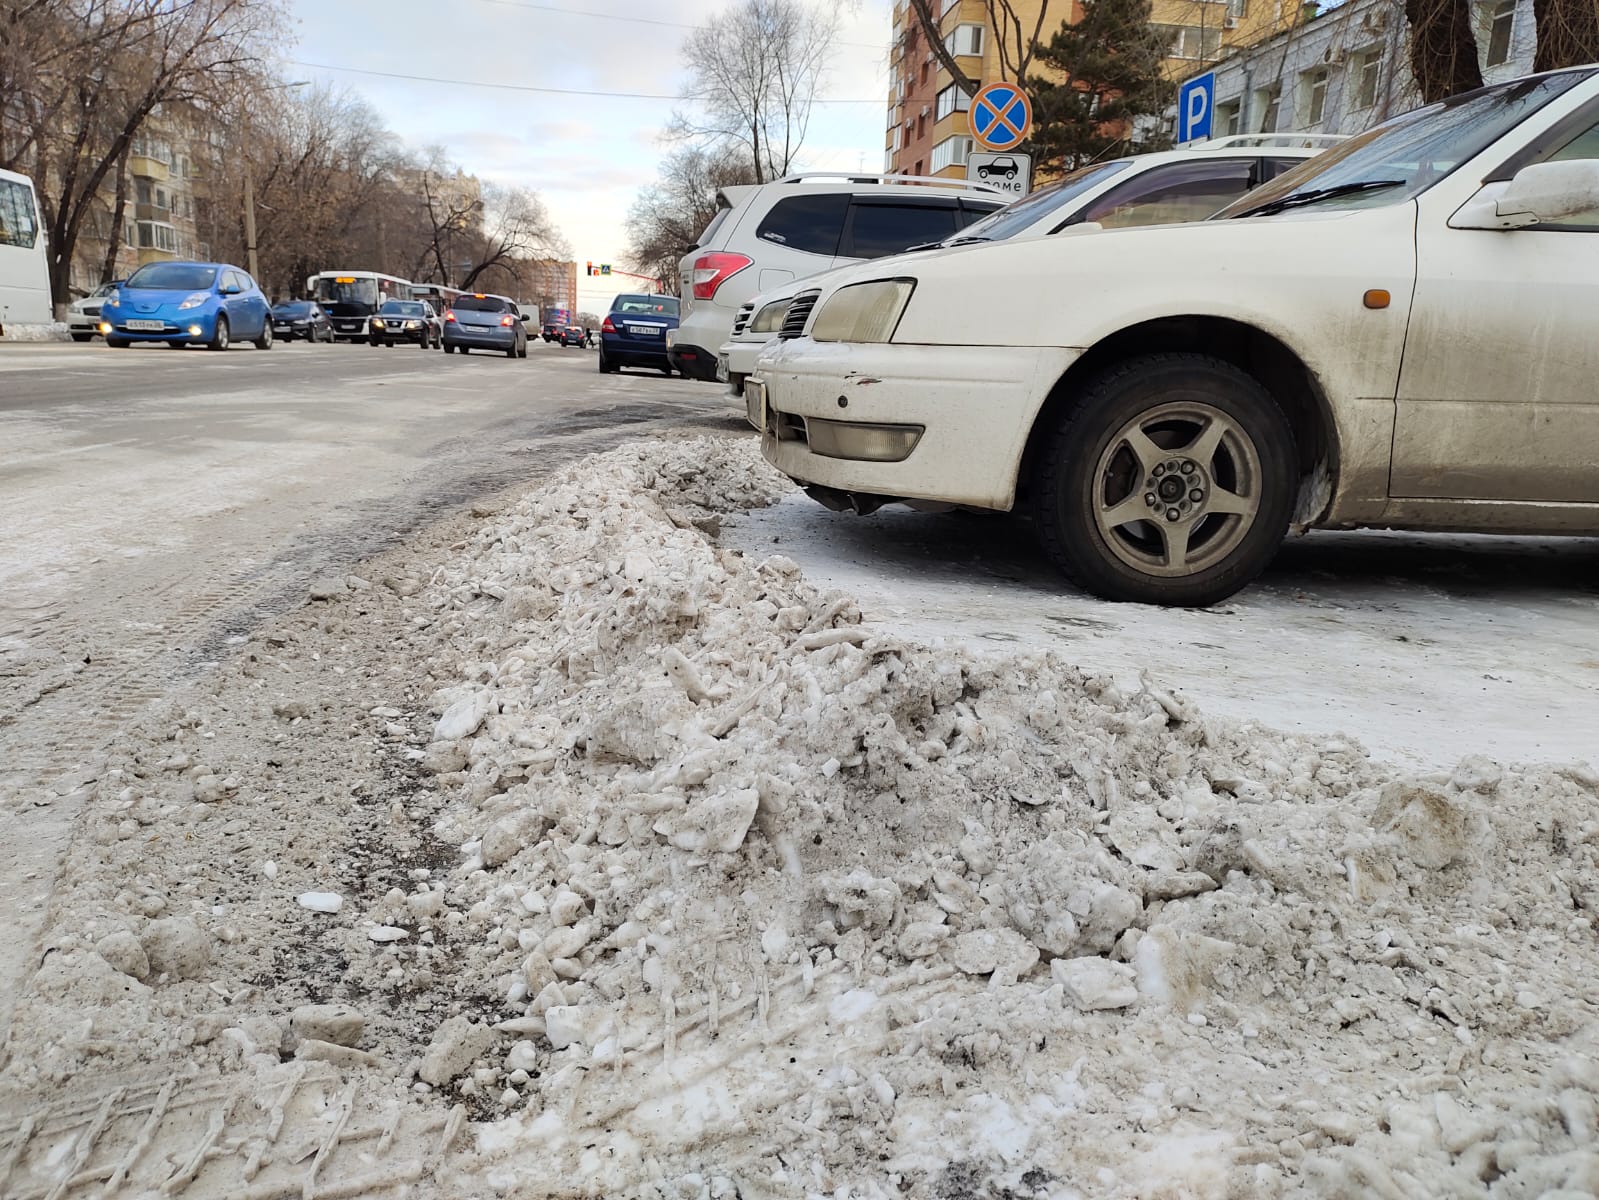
<point x="861" y="441"/>
<point x="194" y="331"/>
<point x="105" y="326"/>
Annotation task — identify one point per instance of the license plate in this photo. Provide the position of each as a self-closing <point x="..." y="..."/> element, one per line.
<point x="755" y="403"/>
<point x="158" y="326"/>
<point x="644" y="330"/>
<point x="721" y="368"/>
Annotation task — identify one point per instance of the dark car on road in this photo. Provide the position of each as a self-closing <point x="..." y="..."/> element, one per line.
<point x="574" y="335"/>
<point x="634" y="333"/>
<point x="482" y="322"/>
<point x="411" y="321"/>
<point x="301" y="319"/>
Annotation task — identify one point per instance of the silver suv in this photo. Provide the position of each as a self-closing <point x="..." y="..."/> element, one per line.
<point x="764" y="235"/>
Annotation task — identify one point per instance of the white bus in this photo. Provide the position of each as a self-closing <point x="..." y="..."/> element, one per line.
<point x="24" y="270"/>
<point x="351" y="297"/>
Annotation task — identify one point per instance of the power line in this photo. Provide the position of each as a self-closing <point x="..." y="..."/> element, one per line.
<point x="574" y="12"/>
<point x="521" y="87"/>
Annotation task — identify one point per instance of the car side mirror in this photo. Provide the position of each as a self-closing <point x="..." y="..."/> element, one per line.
<point x="1538" y="193"/>
<point x="230" y="291"/>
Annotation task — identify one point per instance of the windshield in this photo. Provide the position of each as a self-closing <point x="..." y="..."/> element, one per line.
<point x="1029" y="210"/>
<point x="1400" y="160"/>
<point x="345" y="289"/>
<point x="488" y="304"/>
<point x="663" y="306"/>
<point x="173" y="277"/>
<point x="403" y="308"/>
<point x="294" y="308"/>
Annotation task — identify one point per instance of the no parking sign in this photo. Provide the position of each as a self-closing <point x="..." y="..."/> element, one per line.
<point x="1001" y="117"/>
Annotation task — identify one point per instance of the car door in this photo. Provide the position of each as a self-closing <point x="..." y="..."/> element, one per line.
<point x="256" y="303"/>
<point x="1498" y="397"/>
<point x="231" y="290"/>
<point x="880" y="225"/>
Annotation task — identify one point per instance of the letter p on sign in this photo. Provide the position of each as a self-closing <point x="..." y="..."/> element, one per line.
<point x="1195" y="102"/>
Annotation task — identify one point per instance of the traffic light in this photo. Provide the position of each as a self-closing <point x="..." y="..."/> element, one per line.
<point x="591" y="268"/>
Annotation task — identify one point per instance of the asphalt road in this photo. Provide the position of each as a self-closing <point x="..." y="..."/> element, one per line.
<point x="160" y="504"/>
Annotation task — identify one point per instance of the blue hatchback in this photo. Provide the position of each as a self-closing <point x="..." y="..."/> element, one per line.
<point x="183" y="303"/>
<point x="634" y="333"/>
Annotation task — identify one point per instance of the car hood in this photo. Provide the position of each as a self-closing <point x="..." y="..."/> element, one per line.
<point x="154" y="299"/>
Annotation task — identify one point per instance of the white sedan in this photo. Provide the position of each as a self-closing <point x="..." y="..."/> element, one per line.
<point x="1399" y="333"/>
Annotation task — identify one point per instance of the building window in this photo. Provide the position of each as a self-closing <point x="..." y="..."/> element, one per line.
<point x="1267" y="102"/>
<point x="951" y="152"/>
<point x="952" y="99"/>
<point x="899" y="140"/>
<point x="1227" y="116"/>
<point x="1237" y="9"/>
<point x="1367" y="72"/>
<point x="1502" y="24"/>
<point x="965" y="40"/>
<point x="1191" y="41"/>
<point x="143" y="191"/>
<point x="154" y="235"/>
<point x="1313" y="96"/>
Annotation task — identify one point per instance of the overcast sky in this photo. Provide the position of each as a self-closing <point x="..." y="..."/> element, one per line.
<point x="587" y="156"/>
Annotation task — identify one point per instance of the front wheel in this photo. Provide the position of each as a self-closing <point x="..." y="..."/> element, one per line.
<point x="117" y="343"/>
<point x="219" y="339"/>
<point x="1171" y="481"/>
<point x="264" y="342"/>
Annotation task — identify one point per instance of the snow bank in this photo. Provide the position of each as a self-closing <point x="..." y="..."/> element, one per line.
<point x="56" y="331"/>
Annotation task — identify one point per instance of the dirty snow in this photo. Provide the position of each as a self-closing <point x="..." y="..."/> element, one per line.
<point x="686" y="881"/>
<point x="55" y="331"/>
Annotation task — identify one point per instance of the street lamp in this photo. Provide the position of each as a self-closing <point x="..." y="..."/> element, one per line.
<point x="249" y="190"/>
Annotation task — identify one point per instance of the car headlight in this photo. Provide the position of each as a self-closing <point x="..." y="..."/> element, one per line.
<point x="110" y="302"/>
<point x="863" y="312"/>
<point x="194" y="300"/>
<point x="770" y="318"/>
<point x="377" y="322"/>
<point x="413" y="324"/>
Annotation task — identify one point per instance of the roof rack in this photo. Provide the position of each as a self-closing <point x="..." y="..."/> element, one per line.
<point x="871" y="177"/>
<point x="1270" y="139"/>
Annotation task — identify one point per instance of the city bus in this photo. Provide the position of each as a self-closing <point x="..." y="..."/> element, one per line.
<point x="351" y="297"/>
<point x="436" y="294"/>
<point x="24" y="269"/>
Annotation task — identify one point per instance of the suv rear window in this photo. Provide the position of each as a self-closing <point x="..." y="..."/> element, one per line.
<point x="716" y="223"/>
<point x="809" y="223"/>
<point x="879" y="229"/>
<point x="481" y="304"/>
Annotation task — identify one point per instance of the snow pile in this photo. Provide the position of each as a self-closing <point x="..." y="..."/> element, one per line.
<point x="55" y="331"/>
<point x="770" y="897"/>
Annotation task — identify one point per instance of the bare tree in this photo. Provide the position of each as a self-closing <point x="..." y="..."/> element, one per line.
<point x="1568" y="33"/>
<point x="1443" y="48"/>
<point x="754" y="74"/>
<point x="516" y="229"/>
<point x="667" y="217"/>
<point x="1015" y="32"/>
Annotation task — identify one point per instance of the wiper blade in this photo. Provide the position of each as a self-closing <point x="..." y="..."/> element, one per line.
<point x="967" y="241"/>
<point x="1298" y="199"/>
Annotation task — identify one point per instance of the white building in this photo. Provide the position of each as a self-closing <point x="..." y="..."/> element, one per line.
<point x="1349" y="68"/>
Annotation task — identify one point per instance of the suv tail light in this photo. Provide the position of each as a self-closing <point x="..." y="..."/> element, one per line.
<point x="507" y="320"/>
<point x="449" y="314"/>
<point x="711" y="271"/>
<point x="608" y="327"/>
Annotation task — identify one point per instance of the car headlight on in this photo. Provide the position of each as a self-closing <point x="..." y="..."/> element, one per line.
<point x="194" y="300"/>
<point x="863" y="312"/>
<point x="112" y="301"/>
<point x="770" y="318"/>
<point x="377" y="322"/>
<point x="413" y="324"/>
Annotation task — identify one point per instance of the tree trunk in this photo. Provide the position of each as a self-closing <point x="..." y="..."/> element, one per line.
<point x="1568" y="33"/>
<point x="1443" y="49"/>
<point x="119" y="207"/>
<point x="935" y="42"/>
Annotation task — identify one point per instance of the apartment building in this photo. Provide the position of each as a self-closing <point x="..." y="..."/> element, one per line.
<point x="927" y="130"/>
<point x="551" y="281"/>
<point x="1349" y="68"/>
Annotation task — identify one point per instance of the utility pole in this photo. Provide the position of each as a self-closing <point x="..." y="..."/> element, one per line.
<point x="249" y="222"/>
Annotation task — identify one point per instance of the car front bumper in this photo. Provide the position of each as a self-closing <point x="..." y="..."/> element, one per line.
<point x="175" y="327"/>
<point x="958" y="417"/>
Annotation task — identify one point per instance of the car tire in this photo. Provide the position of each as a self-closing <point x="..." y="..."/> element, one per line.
<point x="1198" y="421"/>
<point x="449" y="349"/>
<point x="117" y="343"/>
<point x="220" y="338"/>
<point x="667" y="371"/>
<point x="607" y="367"/>
<point x="82" y="337"/>
<point x="521" y="351"/>
<point x="264" y="342"/>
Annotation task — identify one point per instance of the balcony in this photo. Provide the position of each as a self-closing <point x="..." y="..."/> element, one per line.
<point x="142" y="166"/>
<point x="151" y="212"/>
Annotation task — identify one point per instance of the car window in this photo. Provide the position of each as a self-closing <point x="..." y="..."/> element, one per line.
<point x="1179" y="191"/>
<point x="1585" y="145"/>
<point x="488" y="304"/>
<point x="172" y="277"/>
<point x="403" y="308"/>
<point x="1270" y="167"/>
<point x="709" y="231"/>
<point x="660" y="306"/>
<point x="878" y="229"/>
<point x="972" y="211"/>
<point x="245" y="281"/>
<point x="813" y="224"/>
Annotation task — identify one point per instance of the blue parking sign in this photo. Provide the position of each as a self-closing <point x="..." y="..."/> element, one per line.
<point x="1196" y="101"/>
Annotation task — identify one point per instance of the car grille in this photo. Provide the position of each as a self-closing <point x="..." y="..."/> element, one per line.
<point x="798" y="313"/>
<point x="741" y="322"/>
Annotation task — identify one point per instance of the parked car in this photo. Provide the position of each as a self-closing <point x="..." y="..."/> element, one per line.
<point x="187" y="303"/>
<point x="301" y="319"/>
<point x="483" y="322"/>
<point x="574" y="335"/>
<point x="411" y="321"/>
<point x="634" y="333"/>
<point x="1144" y="189"/>
<point x="1397" y="333"/>
<point x="83" y="314"/>
<point x="766" y="234"/>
